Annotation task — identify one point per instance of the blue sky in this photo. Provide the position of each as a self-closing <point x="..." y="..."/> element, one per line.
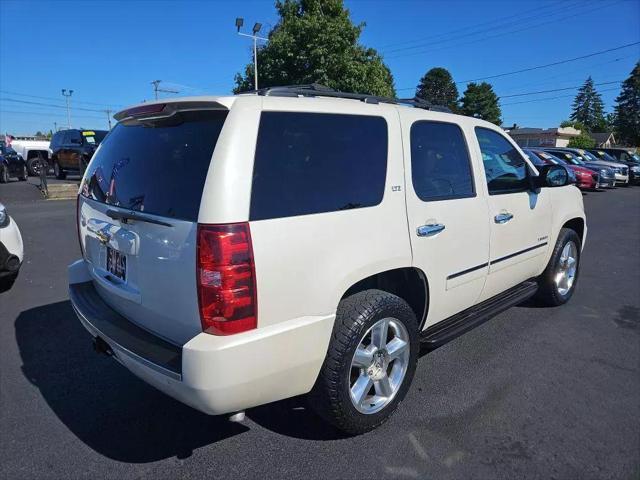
<point x="109" y="52"/>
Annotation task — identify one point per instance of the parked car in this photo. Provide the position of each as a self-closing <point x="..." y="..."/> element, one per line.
<point x="245" y="249"/>
<point x="11" y="164"/>
<point x="11" y="250"/>
<point x="621" y="154"/>
<point x="72" y="150"/>
<point x="620" y="169"/>
<point x="585" y="178"/>
<point x="34" y="152"/>
<point x="631" y="160"/>
<point x="606" y="175"/>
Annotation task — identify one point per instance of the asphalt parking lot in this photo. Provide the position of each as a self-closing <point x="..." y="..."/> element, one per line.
<point x="534" y="393"/>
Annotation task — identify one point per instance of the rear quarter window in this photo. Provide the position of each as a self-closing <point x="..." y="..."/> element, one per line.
<point x="309" y="163"/>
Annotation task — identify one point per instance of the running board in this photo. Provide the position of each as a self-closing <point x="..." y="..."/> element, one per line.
<point x="454" y="326"/>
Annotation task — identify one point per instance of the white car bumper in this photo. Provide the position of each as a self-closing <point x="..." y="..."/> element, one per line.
<point x="11" y="249"/>
<point x="213" y="374"/>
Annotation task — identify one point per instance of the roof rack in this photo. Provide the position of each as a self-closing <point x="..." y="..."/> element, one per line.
<point x="317" y="90"/>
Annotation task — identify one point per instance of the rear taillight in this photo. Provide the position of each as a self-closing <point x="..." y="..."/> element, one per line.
<point x="226" y="279"/>
<point x="78" y="224"/>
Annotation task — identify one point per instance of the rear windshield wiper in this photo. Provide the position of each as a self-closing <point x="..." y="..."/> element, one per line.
<point x="138" y="216"/>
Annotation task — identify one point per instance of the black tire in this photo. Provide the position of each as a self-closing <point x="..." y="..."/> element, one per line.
<point x="330" y="397"/>
<point x="4" y="174"/>
<point x="549" y="293"/>
<point x="24" y="175"/>
<point x="33" y="164"/>
<point x="58" y="171"/>
<point x="7" y="282"/>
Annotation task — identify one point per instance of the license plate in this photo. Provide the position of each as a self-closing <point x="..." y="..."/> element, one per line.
<point x="116" y="263"/>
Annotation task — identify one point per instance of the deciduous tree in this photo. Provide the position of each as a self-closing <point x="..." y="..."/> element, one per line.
<point x="315" y="41"/>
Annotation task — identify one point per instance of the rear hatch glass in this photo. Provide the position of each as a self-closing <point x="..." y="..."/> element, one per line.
<point x="159" y="167"/>
<point x="138" y="213"/>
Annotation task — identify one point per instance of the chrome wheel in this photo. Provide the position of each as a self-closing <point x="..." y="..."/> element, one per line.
<point x="379" y="365"/>
<point x="566" y="269"/>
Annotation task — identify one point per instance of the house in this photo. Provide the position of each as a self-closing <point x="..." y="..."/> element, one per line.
<point x="604" y="140"/>
<point x="543" y="137"/>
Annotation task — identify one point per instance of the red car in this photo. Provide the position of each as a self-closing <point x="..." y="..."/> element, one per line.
<point x="586" y="179"/>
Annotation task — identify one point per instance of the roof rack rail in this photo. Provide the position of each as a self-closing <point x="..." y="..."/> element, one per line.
<point x="317" y="90"/>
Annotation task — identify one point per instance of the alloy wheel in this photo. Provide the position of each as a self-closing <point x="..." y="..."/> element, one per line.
<point x="566" y="269"/>
<point x="379" y="365"/>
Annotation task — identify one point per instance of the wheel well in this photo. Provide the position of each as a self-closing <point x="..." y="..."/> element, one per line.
<point x="577" y="225"/>
<point x="36" y="154"/>
<point x="410" y="284"/>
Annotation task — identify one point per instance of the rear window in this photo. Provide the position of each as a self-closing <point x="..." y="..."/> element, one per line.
<point x="159" y="168"/>
<point x="311" y="163"/>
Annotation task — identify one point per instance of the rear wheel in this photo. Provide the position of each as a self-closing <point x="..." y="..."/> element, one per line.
<point x="23" y="176"/>
<point x="558" y="282"/>
<point x="4" y="174"/>
<point x="370" y="362"/>
<point x="58" y="171"/>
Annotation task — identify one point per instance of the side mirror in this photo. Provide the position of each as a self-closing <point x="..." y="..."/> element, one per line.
<point x="551" y="176"/>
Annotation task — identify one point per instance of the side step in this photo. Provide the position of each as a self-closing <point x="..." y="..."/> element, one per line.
<point x="454" y="326"/>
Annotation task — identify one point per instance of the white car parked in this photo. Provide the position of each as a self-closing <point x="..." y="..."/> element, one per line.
<point x="241" y="250"/>
<point x="11" y="250"/>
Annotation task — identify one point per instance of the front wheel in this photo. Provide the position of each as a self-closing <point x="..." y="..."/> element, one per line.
<point x="4" y="174"/>
<point x="370" y="363"/>
<point x="58" y="171"/>
<point x="558" y="281"/>
<point x="23" y="176"/>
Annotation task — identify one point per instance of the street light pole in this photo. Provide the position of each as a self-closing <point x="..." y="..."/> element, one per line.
<point x="108" y="112"/>
<point x="255" y="30"/>
<point x="67" y="96"/>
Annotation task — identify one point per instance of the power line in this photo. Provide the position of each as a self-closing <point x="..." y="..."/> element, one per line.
<point x="500" y="23"/>
<point x="555" y="90"/>
<point x="502" y="34"/>
<point x="47" y="104"/>
<point x="48" y="114"/>
<point x="550" y="98"/>
<point x="56" y="99"/>
<point x="537" y="67"/>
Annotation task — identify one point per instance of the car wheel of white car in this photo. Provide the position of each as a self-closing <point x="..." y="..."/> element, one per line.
<point x="558" y="282"/>
<point x="370" y="362"/>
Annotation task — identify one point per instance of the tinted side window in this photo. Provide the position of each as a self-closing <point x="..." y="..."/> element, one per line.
<point x="504" y="167"/>
<point x="311" y="163"/>
<point x="74" y="137"/>
<point x="440" y="165"/>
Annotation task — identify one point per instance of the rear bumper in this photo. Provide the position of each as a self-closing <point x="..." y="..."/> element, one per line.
<point x="213" y="374"/>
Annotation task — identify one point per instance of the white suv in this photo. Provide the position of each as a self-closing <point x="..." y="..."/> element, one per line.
<point x="11" y="250"/>
<point x="241" y="250"/>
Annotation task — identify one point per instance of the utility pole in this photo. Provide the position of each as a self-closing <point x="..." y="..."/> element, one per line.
<point x="255" y="37"/>
<point x="156" y="88"/>
<point x="108" y="112"/>
<point x="55" y="127"/>
<point x="67" y="96"/>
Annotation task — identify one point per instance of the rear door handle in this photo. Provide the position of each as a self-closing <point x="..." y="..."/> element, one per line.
<point x="429" y="230"/>
<point x="503" y="217"/>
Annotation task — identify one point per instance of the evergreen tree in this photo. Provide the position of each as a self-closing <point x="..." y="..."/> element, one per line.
<point x="588" y="108"/>
<point x="437" y="87"/>
<point x="627" y="110"/>
<point x="315" y="41"/>
<point x="480" y="101"/>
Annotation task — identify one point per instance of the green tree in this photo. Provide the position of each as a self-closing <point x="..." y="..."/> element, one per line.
<point x="437" y="87"/>
<point x="588" y="108"/>
<point x="480" y="101"/>
<point x="574" y="124"/>
<point x="583" y="140"/>
<point x="315" y="41"/>
<point x="627" y="109"/>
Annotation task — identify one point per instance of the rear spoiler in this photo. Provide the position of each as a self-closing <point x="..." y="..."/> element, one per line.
<point x="159" y="110"/>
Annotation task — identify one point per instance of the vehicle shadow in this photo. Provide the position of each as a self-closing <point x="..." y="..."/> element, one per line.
<point x="104" y="405"/>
